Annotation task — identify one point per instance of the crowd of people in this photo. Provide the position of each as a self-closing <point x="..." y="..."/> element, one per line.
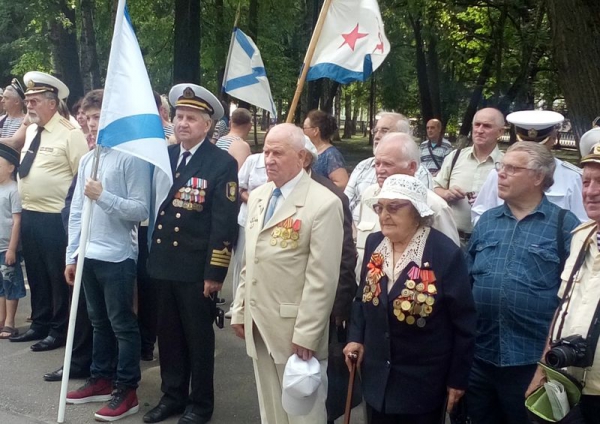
<point x="448" y="274"/>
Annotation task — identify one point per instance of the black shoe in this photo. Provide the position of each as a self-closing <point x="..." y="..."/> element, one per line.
<point x="147" y="356"/>
<point x="161" y="412"/>
<point x="192" y="418"/>
<point x="49" y="343"/>
<point x="28" y="336"/>
<point x="58" y="374"/>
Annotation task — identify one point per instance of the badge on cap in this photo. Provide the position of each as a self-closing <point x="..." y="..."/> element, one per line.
<point x="188" y="93"/>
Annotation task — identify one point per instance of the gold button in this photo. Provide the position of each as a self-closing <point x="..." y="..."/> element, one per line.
<point x="158" y="241"/>
<point x="177" y="215"/>
<point x="162" y="213"/>
<point x="160" y="226"/>
<point x="175" y="244"/>
<point x="176" y="229"/>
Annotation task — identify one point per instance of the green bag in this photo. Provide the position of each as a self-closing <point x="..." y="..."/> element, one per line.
<point x="538" y="405"/>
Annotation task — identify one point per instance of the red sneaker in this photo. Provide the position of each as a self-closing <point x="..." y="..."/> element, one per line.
<point x="94" y="390"/>
<point x="124" y="402"/>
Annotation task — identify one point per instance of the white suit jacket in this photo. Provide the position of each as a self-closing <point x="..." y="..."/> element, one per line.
<point x="287" y="287"/>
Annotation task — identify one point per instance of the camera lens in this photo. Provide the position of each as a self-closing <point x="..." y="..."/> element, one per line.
<point x="561" y="356"/>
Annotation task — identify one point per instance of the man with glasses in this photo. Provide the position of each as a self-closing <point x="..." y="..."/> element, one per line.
<point x="538" y="126"/>
<point x="515" y="257"/>
<point x="364" y="176"/>
<point x="464" y="171"/>
<point x="49" y="160"/>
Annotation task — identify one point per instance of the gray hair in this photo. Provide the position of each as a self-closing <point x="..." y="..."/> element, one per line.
<point x="402" y="123"/>
<point x="11" y="89"/>
<point x="540" y="160"/>
<point x="407" y="147"/>
<point x="51" y="96"/>
<point x="499" y="117"/>
<point x="294" y="135"/>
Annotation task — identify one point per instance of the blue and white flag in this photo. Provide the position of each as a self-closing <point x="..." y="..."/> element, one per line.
<point x="245" y="76"/>
<point x="352" y="43"/>
<point x="129" y="120"/>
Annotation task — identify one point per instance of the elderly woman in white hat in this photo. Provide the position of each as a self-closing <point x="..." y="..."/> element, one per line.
<point x="413" y="319"/>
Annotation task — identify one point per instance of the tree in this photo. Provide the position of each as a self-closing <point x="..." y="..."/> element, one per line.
<point x="186" y="52"/>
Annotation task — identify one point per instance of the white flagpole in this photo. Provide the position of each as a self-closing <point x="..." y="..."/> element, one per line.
<point x="86" y="218"/>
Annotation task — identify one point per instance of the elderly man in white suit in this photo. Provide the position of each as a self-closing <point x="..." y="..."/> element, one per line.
<point x="292" y="260"/>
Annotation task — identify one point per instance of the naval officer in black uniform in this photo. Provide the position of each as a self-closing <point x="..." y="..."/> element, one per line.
<point x="191" y="246"/>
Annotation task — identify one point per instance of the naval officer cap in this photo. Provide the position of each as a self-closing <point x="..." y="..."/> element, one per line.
<point x="588" y="141"/>
<point x="196" y="97"/>
<point x="41" y="82"/>
<point x="535" y="125"/>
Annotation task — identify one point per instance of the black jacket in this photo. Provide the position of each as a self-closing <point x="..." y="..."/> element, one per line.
<point x="192" y="240"/>
<point x="407" y="369"/>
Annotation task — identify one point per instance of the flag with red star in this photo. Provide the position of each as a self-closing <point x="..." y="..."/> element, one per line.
<point x="352" y="43"/>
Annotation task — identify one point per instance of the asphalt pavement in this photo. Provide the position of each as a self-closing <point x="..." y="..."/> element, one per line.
<point x="26" y="398"/>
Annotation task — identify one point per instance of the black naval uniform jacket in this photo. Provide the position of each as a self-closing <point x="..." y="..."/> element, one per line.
<point x="406" y="369"/>
<point x="194" y="234"/>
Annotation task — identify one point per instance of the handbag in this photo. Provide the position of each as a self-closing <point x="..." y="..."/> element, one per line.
<point x="538" y="404"/>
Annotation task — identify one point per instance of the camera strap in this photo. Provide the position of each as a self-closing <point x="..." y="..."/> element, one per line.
<point x="568" y="294"/>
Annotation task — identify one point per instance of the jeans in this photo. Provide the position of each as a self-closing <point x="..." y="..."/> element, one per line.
<point x="109" y="295"/>
<point x="12" y="284"/>
<point x="496" y="395"/>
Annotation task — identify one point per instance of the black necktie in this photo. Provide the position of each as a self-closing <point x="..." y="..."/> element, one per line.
<point x="27" y="161"/>
<point x="184" y="157"/>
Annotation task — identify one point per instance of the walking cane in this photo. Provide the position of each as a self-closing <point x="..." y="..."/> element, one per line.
<point x="353" y="357"/>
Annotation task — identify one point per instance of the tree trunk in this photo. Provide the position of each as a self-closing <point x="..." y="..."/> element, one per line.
<point x="186" y="52"/>
<point x="433" y="74"/>
<point x="421" y="63"/>
<point x="575" y="28"/>
<point x="332" y="92"/>
<point x="65" y="51"/>
<point x="90" y="68"/>
<point x="222" y="46"/>
<point x="348" y="117"/>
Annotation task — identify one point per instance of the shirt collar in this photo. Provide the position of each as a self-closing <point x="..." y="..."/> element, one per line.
<point x="541" y="208"/>
<point x="496" y="155"/>
<point x="260" y="163"/>
<point x="52" y="122"/>
<point x="288" y="187"/>
<point x="192" y="150"/>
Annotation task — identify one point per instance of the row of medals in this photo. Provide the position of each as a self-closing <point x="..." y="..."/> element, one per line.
<point x="288" y="237"/>
<point x="415" y="303"/>
<point x="185" y="199"/>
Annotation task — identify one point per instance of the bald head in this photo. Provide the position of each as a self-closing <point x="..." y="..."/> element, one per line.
<point x="397" y="154"/>
<point x="488" y="127"/>
<point x="434" y="130"/>
<point x="284" y="153"/>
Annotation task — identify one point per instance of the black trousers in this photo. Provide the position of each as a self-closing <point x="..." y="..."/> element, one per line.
<point x="590" y="408"/>
<point x="376" y="417"/>
<point x="81" y="357"/>
<point x="44" y="245"/>
<point x="147" y="296"/>
<point x="186" y="345"/>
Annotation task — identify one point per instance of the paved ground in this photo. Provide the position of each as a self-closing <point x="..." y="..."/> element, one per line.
<point x="26" y="398"/>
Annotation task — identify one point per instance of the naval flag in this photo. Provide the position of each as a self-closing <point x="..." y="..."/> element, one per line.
<point x="352" y="43"/>
<point x="245" y="76"/>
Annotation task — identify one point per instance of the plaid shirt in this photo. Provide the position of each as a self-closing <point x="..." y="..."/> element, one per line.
<point x="515" y="272"/>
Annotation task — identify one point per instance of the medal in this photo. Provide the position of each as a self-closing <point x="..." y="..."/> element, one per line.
<point x="273" y="242"/>
<point x="401" y="317"/>
<point x="375" y="301"/>
<point x="410" y="284"/>
<point x="366" y="290"/>
<point x="410" y="320"/>
<point x="397" y="312"/>
<point x="421" y="322"/>
<point x="397" y="303"/>
<point x="293" y="245"/>
<point x="421" y="297"/>
<point x="405" y="305"/>
<point x="427" y="309"/>
<point x="284" y="244"/>
<point x="420" y="287"/>
<point x="430" y="300"/>
<point x="294" y="236"/>
<point x="432" y="289"/>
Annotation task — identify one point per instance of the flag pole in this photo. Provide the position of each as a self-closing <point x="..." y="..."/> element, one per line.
<point x="235" y="24"/>
<point x="307" y="59"/>
<point x="86" y="218"/>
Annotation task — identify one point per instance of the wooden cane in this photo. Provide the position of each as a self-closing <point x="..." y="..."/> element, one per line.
<point x="353" y="357"/>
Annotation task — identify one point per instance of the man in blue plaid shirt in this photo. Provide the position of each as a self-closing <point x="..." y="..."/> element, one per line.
<point x="515" y="257"/>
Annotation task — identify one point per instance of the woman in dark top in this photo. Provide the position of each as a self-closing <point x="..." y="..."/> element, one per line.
<point x="320" y="127"/>
<point x="413" y="319"/>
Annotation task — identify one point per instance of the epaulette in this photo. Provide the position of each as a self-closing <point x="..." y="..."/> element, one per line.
<point x="572" y="167"/>
<point x="66" y="123"/>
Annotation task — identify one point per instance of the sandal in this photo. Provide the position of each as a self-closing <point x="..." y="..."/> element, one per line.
<point x="10" y="331"/>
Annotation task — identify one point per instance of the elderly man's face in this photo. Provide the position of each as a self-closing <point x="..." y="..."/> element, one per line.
<point x="282" y="161"/>
<point x="385" y="125"/>
<point x="191" y="126"/>
<point x="516" y="179"/>
<point x="11" y="101"/>
<point x="486" y="128"/>
<point x="591" y="190"/>
<point x="40" y="108"/>
<point x="389" y="161"/>
<point x="434" y="129"/>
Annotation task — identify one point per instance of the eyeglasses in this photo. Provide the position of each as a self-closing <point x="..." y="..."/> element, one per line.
<point x="308" y="128"/>
<point x="510" y="169"/>
<point x="391" y="208"/>
<point x="383" y="131"/>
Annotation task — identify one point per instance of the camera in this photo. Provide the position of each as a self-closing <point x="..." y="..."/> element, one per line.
<point x="572" y="351"/>
<point x="220" y="318"/>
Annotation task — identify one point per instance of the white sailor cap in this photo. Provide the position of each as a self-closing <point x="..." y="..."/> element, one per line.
<point x="196" y="97"/>
<point x="535" y="125"/>
<point x="588" y="141"/>
<point x="41" y="82"/>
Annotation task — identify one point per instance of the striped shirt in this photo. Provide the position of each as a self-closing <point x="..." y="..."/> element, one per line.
<point x="10" y="126"/>
<point x="225" y="142"/>
<point x="433" y="163"/>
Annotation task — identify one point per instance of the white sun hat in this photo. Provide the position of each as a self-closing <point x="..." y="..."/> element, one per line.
<point x="301" y="381"/>
<point x="403" y="187"/>
<point x="311" y="148"/>
<point x="588" y="141"/>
